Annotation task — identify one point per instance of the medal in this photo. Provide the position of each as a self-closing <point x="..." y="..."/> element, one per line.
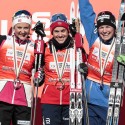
<point x="60" y="85"/>
<point x="59" y="71"/>
<point x="17" y="84"/>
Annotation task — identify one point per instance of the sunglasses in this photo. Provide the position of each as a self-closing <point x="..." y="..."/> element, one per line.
<point x="58" y="17"/>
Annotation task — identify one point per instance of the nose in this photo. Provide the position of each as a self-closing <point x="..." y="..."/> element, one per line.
<point x="59" y="34"/>
<point x="104" y="29"/>
<point x="22" y="30"/>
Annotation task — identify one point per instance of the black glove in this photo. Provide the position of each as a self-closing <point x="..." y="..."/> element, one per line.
<point x="39" y="29"/>
<point x="83" y="69"/>
<point x="72" y="29"/>
<point x="39" y="77"/>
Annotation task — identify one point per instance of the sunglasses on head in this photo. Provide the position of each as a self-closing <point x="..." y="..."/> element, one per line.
<point x="58" y="17"/>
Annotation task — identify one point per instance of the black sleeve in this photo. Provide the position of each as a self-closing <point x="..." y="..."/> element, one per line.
<point x="2" y="37"/>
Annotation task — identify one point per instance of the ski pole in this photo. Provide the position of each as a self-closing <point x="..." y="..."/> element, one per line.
<point x="38" y="60"/>
<point x="38" y="51"/>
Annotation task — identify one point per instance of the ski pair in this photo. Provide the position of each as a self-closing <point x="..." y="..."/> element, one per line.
<point x="77" y="85"/>
<point x="117" y="83"/>
<point x="76" y="107"/>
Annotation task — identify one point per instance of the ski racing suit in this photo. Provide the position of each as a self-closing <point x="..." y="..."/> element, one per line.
<point x="55" y="102"/>
<point x="16" y="101"/>
<point x="100" y="64"/>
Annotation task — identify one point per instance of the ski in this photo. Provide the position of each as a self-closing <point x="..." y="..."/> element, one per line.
<point x="79" y="104"/>
<point x="76" y="109"/>
<point x="116" y="87"/>
<point x="77" y="80"/>
<point x="72" y="107"/>
<point x="120" y="88"/>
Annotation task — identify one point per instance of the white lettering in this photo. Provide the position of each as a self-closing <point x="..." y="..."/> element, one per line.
<point x="21" y="122"/>
<point x="48" y="121"/>
<point x="3" y="25"/>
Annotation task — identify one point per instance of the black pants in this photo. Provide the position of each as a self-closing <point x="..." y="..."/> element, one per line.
<point x="18" y="115"/>
<point x="55" y="114"/>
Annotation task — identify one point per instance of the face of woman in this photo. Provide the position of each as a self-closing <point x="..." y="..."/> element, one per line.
<point x="22" y="30"/>
<point x="60" y="34"/>
<point x="106" y="32"/>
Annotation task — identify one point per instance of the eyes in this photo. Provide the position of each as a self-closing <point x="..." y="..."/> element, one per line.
<point x="105" y="27"/>
<point x="24" y="28"/>
<point x="60" y="31"/>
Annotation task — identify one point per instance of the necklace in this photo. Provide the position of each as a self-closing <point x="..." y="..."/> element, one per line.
<point x="59" y="71"/>
<point x="17" y="69"/>
<point x="103" y="66"/>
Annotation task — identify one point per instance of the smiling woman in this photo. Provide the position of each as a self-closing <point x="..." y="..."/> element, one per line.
<point x="101" y="38"/>
<point x="21" y="24"/>
<point x="106" y="25"/>
<point x="57" y="64"/>
<point x="60" y="34"/>
<point x="21" y="31"/>
<point x="16" y="63"/>
<point x="59" y="28"/>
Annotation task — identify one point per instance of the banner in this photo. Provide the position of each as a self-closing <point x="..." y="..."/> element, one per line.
<point x="42" y="10"/>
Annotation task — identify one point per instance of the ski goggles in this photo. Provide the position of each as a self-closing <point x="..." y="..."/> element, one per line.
<point x="58" y="17"/>
<point x="25" y="12"/>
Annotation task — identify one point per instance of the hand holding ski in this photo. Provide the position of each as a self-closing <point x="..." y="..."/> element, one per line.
<point x="76" y="106"/>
